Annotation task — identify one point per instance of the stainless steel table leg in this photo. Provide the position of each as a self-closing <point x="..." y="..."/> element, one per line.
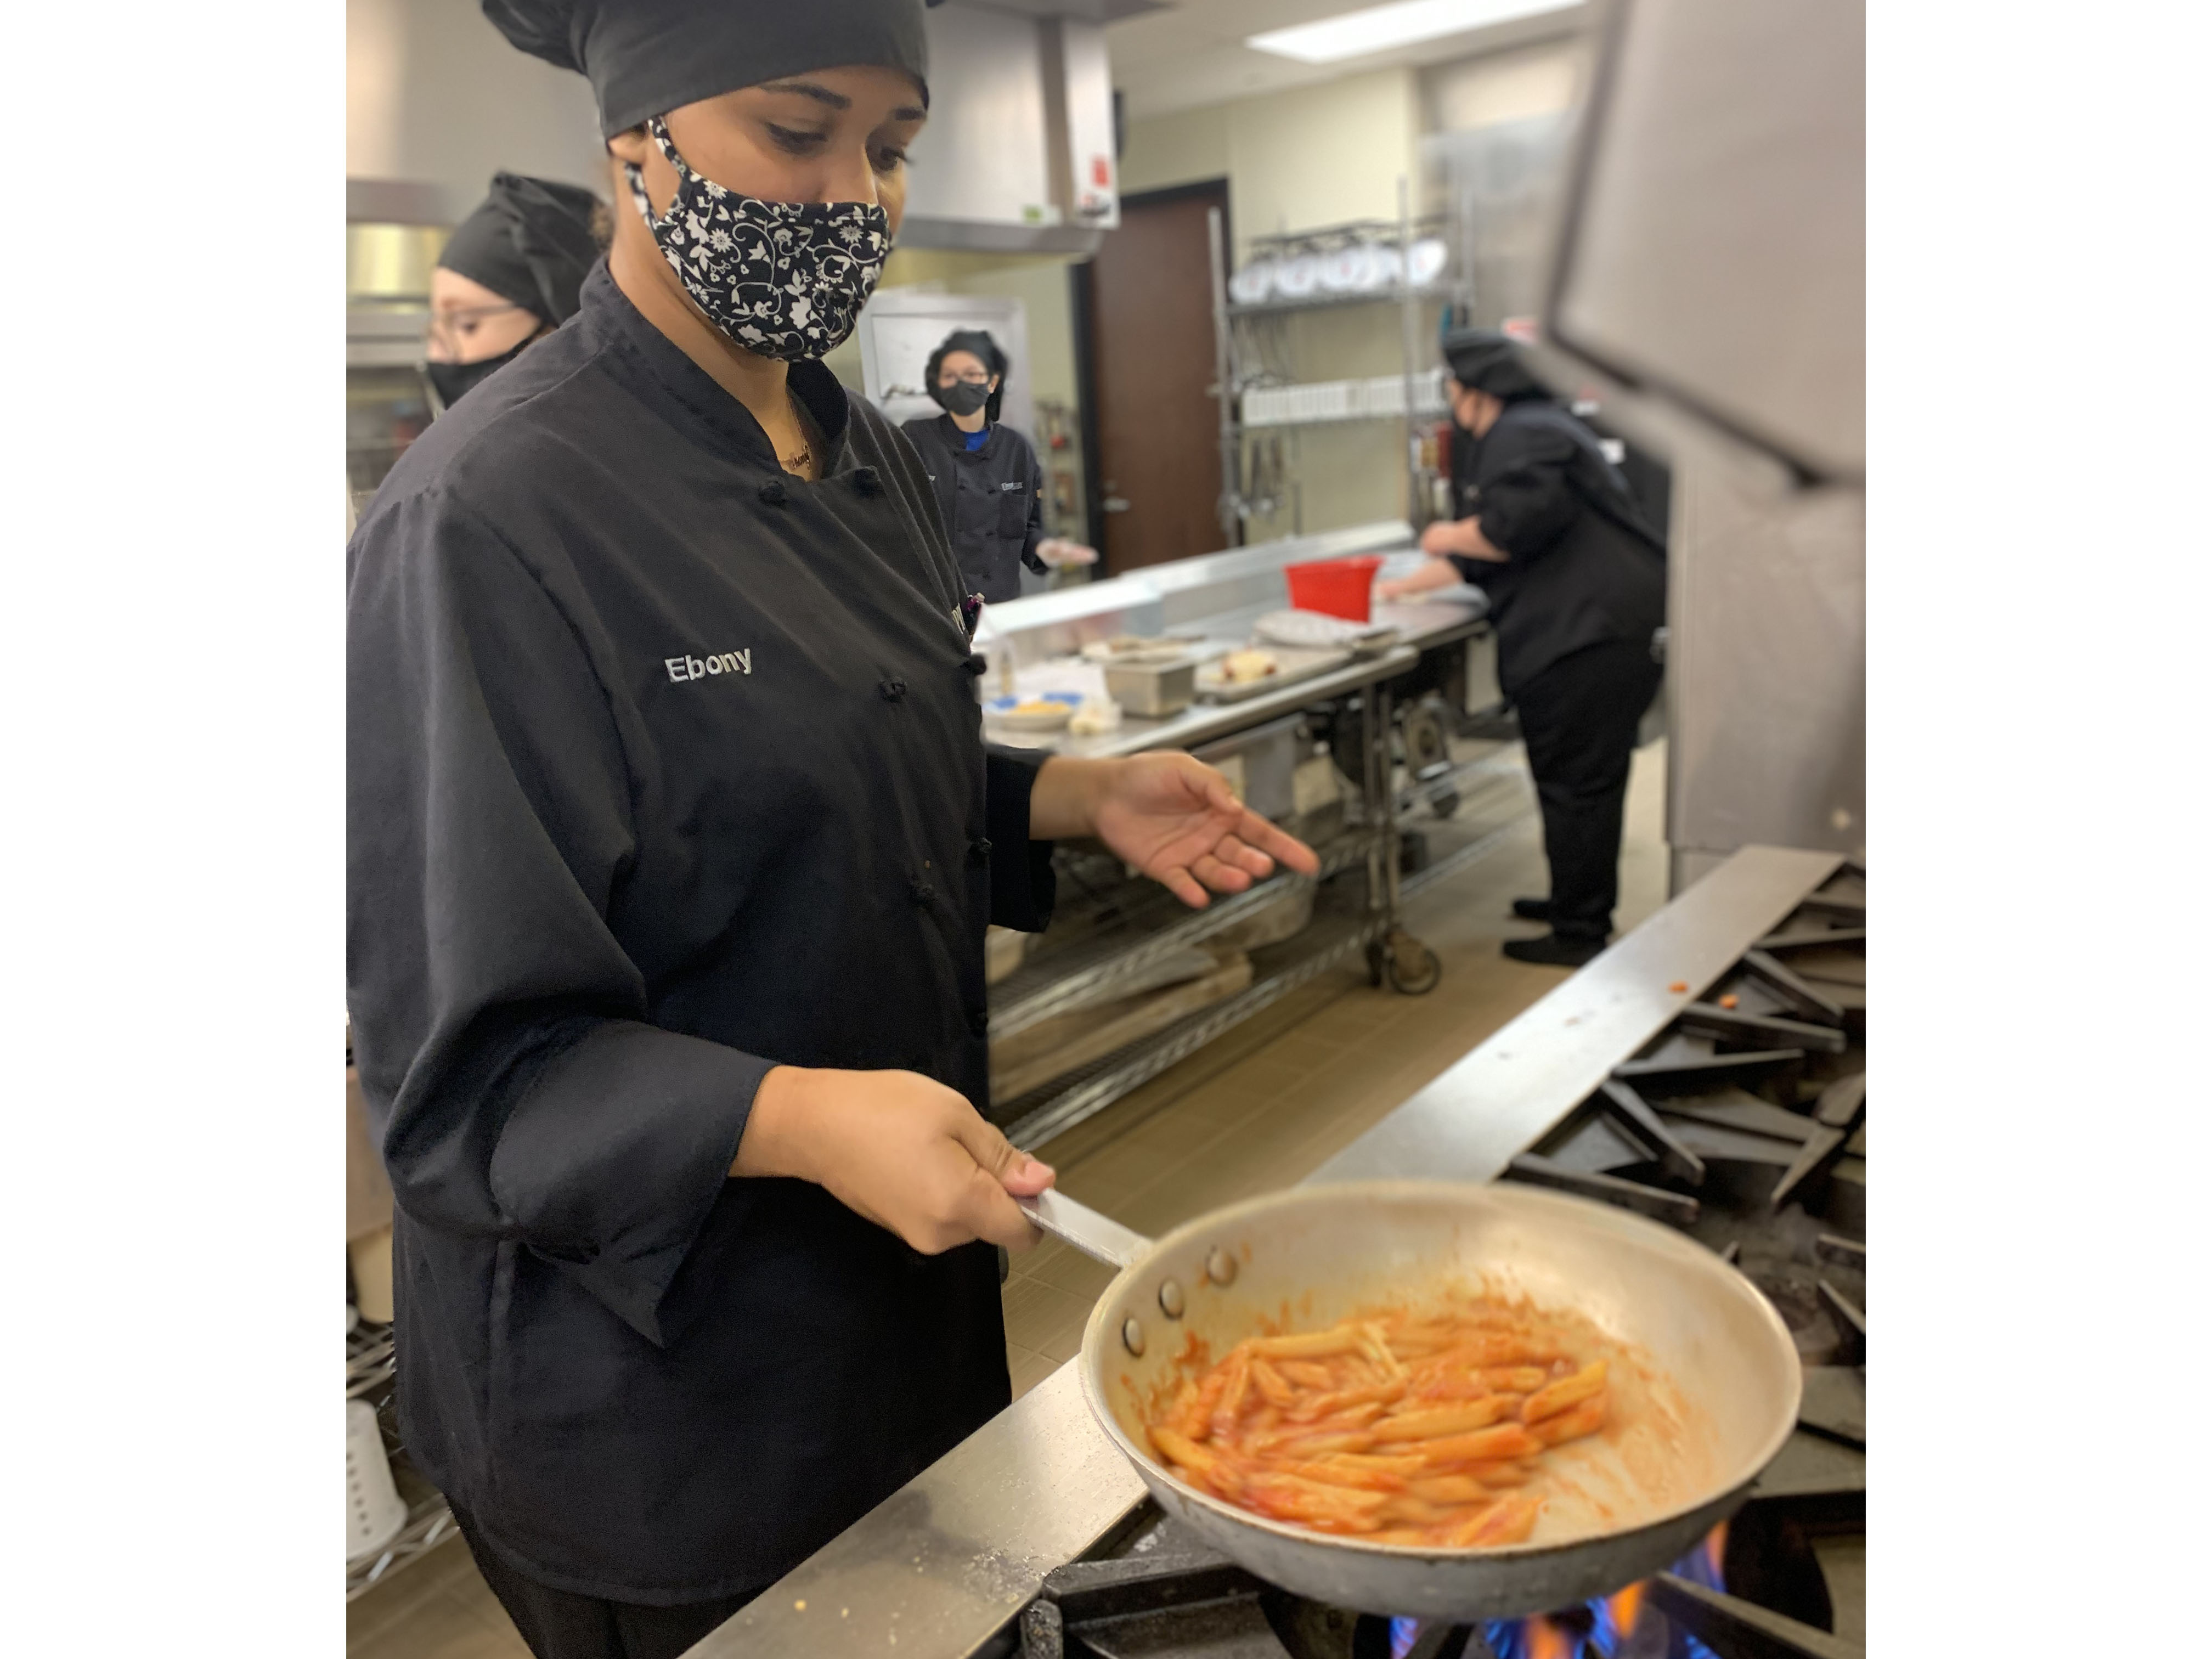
<point x="1387" y="799"/>
<point x="1395" y="956"/>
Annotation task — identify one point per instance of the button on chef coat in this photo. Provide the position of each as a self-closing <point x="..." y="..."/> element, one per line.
<point x="1585" y="567"/>
<point x="991" y="500"/>
<point x="632" y="818"/>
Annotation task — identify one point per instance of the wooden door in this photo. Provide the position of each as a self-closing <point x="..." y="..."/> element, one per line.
<point x="1151" y="309"/>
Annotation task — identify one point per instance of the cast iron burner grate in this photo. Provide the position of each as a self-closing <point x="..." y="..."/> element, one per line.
<point x="1169" y="1596"/>
<point x="1755" y="1145"/>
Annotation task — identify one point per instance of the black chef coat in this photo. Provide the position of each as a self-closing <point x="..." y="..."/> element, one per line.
<point x="992" y="499"/>
<point x="664" y="767"/>
<point x="1585" y="567"/>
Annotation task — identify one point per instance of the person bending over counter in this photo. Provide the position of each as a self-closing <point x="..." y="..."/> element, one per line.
<point x="1577" y="580"/>
<point x="990" y="489"/>
<point x="511" y="273"/>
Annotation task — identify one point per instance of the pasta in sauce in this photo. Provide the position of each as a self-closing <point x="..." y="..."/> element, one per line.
<point x="1398" y="1427"/>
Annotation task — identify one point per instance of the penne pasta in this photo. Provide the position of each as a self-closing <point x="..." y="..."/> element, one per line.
<point x="1451" y="1420"/>
<point x="1555" y="1397"/>
<point x="1427" y="1429"/>
<point x="1573" y="1423"/>
<point x="1506" y="1440"/>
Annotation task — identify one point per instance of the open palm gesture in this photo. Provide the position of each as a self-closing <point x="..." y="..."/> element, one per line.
<point x="1176" y="819"/>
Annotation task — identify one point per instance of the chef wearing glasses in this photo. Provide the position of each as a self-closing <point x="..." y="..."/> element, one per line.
<point x="989" y="487"/>
<point x="509" y="274"/>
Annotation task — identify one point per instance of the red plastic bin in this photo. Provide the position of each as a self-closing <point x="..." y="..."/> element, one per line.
<point x="1335" y="587"/>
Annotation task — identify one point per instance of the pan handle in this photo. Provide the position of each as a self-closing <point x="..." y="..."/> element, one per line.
<point x="1100" y="1237"/>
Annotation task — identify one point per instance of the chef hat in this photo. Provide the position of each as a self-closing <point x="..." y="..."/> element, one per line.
<point x="645" y="57"/>
<point x="530" y="241"/>
<point x="1486" y="360"/>
<point x="977" y="343"/>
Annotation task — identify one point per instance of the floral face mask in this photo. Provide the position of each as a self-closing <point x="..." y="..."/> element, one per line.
<point x="784" y="279"/>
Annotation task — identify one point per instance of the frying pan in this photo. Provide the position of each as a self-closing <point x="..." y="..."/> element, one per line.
<point x="1706" y="1396"/>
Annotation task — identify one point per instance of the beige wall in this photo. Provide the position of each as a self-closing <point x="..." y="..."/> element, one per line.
<point x="1321" y="155"/>
<point x="1177" y="150"/>
<point x="1542" y="79"/>
<point x="1318" y="155"/>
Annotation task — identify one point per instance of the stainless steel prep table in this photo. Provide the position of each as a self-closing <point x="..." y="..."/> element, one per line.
<point x="1094" y="974"/>
<point x="1420" y="628"/>
<point x="1075" y="979"/>
<point x="940" y="1569"/>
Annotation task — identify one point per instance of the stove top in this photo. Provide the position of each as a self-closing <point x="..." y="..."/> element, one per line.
<point x="1743" y="1123"/>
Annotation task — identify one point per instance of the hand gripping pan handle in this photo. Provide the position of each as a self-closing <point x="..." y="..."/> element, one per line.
<point x="1100" y="1237"/>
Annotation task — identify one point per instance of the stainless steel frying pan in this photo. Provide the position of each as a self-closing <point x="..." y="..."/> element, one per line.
<point x="1718" y="1401"/>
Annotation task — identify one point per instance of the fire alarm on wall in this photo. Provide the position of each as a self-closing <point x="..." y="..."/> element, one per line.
<point x="1102" y="172"/>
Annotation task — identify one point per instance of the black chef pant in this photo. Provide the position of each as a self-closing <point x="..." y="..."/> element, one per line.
<point x="1578" y="719"/>
<point x="558" y="1625"/>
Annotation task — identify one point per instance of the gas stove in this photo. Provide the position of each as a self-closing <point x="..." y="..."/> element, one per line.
<point x="1743" y="1123"/>
<point x="1709" y="1070"/>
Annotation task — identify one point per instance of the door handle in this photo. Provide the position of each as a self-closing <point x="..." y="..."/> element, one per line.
<point x="1114" y="504"/>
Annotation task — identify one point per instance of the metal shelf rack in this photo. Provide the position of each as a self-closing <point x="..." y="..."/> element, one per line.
<point x="1236" y="370"/>
<point x="430" y="1522"/>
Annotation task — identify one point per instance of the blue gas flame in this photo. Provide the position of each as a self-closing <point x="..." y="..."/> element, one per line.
<point x="1508" y="1638"/>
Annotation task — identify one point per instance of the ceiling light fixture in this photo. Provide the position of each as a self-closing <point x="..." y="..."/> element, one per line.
<point x="1380" y="29"/>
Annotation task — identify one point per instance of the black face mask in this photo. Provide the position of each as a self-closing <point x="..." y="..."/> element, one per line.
<point x="454" y="381"/>
<point x="960" y="398"/>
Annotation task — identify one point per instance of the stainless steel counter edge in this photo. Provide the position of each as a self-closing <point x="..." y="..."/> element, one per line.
<point x="938" y="1569"/>
<point x="1468" y="1123"/>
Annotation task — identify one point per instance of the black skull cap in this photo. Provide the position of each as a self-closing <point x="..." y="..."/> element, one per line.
<point x="530" y="241"/>
<point x="645" y="57"/>
<point x="1490" y="362"/>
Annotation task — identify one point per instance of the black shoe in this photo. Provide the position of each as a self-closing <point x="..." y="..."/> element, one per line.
<point x="1533" y="909"/>
<point x="1553" y="952"/>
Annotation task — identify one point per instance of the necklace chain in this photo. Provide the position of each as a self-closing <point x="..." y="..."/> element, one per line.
<point x="801" y="463"/>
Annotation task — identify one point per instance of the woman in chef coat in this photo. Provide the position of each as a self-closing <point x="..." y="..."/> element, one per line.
<point x="673" y="839"/>
<point x="509" y="274"/>
<point x="989" y="487"/>
<point x="1577" y="580"/>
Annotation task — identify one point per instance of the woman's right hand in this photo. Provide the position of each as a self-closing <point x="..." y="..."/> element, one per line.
<point x="899" y="1148"/>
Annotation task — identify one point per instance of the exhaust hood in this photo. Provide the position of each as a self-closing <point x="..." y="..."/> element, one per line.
<point x="1019" y="156"/>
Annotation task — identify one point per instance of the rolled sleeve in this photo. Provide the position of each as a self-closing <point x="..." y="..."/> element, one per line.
<point x="617" y="1197"/>
<point x="1022" y="888"/>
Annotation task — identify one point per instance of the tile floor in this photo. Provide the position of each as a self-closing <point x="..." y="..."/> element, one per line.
<point x="1254" y="1111"/>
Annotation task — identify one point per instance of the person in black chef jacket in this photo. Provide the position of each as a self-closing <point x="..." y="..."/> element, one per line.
<point x="1577" y="580"/>
<point x="672" y="843"/>
<point x="989" y="487"/>
<point x="510" y="274"/>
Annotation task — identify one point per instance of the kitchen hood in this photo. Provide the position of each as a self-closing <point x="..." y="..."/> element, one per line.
<point x="1019" y="156"/>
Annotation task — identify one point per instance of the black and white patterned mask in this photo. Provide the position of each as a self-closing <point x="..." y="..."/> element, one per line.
<point x="784" y="279"/>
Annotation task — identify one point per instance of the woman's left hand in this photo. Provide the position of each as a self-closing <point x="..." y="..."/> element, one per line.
<point x="1176" y="819"/>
